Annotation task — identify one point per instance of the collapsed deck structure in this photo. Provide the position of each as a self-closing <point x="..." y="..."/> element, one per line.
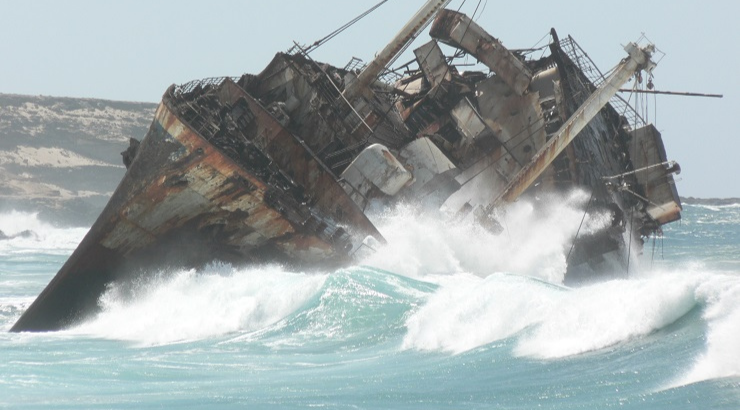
<point x="281" y="166"/>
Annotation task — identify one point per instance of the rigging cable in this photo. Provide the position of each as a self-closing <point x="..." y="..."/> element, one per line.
<point x="318" y="43"/>
<point x="652" y="256"/>
<point x="481" y="11"/>
<point x="572" y="245"/>
<point x="632" y="210"/>
<point x="662" y="255"/>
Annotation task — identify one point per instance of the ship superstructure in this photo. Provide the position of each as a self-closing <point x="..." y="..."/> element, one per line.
<point x="282" y="166"/>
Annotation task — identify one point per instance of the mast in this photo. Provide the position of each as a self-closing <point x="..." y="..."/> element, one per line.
<point x="407" y="33"/>
<point x="639" y="59"/>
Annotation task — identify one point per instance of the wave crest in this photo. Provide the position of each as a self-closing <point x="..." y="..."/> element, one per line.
<point x="24" y="232"/>
<point x="548" y="321"/>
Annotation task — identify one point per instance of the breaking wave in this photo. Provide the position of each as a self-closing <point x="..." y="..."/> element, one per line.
<point x="266" y="305"/>
<point x="24" y="232"/>
<point x="189" y="305"/>
<point x="452" y="313"/>
<point x="548" y="321"/>
<point x="721" y="358"/>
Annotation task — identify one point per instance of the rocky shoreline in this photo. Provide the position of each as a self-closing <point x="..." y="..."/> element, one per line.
<point x="60" y="157"/>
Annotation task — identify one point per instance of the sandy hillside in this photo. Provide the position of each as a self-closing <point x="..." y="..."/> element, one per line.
<point x="61" y="156"/>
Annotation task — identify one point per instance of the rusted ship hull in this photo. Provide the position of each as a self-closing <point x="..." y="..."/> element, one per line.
<point x="280" y="166"/>
<point x="184" y="203"/>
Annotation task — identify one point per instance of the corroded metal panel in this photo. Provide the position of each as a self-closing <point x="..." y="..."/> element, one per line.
<point x="375" y="172"/>
<point x="516" y="121"/>
<point x="195" y="182"/>
<point x="468" y="121"/>
<point x="300" y="163"/>
<point x="656" y="182"/>
<point x="425" y="161"/>
<point x="433" y="63"/>
<point x="458" y="30"/>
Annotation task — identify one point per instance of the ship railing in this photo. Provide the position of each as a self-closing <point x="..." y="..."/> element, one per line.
<point x="203" y="83"/>
<point x="197" y="117"/>
<point x="355" y="65"/>
<point x="589" y="69"/>
<point x="390" y="77"/>
<point x="296" y="49"/>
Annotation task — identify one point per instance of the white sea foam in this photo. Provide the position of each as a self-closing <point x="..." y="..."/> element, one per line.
<point x="532" y="243"/>
<point x="715" y="208"/>
<point x="605" y="314"/>
<point x="190" y="306"/>
<point x="721" y="358"/>
<point x="468" y="311"/>
<point x="549" y="321"/>
<point x="31" y="235"/>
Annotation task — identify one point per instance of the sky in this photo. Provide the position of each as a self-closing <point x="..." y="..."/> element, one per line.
<point x="133" y="50"/>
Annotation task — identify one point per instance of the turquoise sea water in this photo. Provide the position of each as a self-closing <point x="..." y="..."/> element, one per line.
<point x="446" y="317"/>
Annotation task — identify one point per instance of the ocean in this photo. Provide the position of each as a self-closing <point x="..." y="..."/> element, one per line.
<point x="448" y="317"/>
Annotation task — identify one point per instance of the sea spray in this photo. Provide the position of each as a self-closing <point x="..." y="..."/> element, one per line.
<point x="534" y="242"/>
<point x="26" y="233"/>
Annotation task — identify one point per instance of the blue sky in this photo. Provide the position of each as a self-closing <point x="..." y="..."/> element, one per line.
<point x="134" y="50"/>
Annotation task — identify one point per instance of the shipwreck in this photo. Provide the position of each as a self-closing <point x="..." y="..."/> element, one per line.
<point x="280" y="166"/>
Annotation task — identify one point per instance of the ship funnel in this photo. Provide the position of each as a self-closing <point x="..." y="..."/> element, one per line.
<point x="394" y="47"/>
